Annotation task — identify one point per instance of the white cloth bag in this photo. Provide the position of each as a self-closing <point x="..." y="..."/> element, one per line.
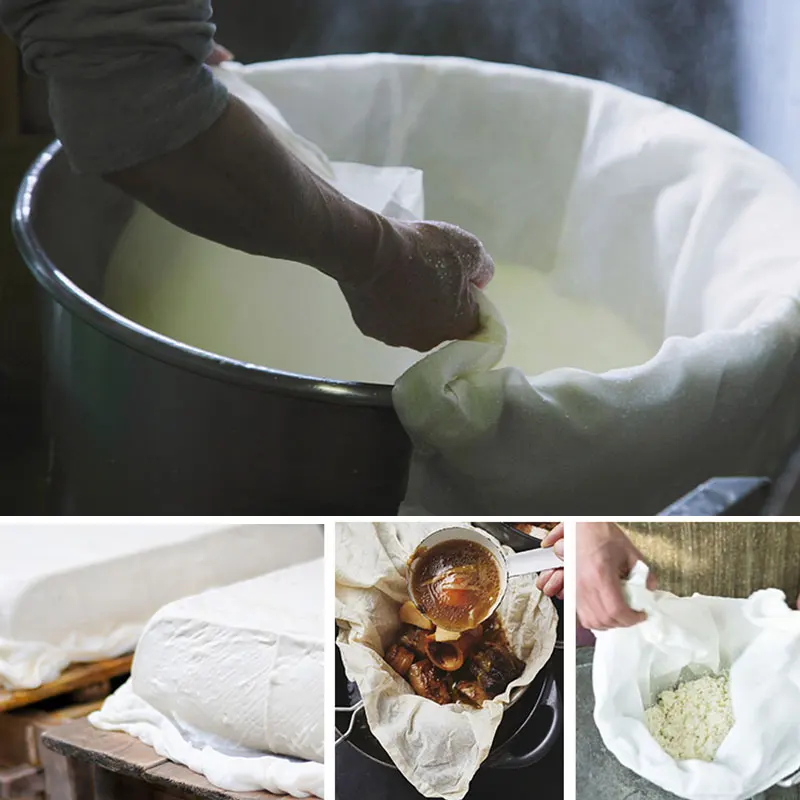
<point x="684" y="231"/>
<point x="757" y="639"/>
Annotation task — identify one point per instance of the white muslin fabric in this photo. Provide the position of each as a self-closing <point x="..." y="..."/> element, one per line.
<point x="662" y="246"/>
<point x="756" y="639"/>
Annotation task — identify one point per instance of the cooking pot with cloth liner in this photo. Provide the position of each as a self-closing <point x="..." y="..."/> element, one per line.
<point x="533" y="721"/>
<point x="683" y="231"/>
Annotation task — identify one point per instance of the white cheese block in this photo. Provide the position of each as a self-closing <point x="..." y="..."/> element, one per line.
<point x="72" y="592"/>
<point x="229" y="675"/>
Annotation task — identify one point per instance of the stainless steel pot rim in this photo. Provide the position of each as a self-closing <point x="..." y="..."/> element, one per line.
<point x="162" y="348"/>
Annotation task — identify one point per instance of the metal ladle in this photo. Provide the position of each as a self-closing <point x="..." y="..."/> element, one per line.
<point x="508" y="566"/>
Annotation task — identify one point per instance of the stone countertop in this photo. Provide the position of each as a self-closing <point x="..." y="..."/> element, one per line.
<point x="599" y="775"/>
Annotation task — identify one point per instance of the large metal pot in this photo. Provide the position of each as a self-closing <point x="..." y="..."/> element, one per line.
<point x="141" y="424"/>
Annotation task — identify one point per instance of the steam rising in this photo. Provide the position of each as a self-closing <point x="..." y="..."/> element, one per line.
<point x="679" y="51"/>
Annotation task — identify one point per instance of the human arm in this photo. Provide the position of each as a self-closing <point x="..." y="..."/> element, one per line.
<point x="132" y="101"/>
<point x="406" y="283"/>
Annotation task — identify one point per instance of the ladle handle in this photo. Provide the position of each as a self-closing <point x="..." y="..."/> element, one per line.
<point x="537" y="560"/>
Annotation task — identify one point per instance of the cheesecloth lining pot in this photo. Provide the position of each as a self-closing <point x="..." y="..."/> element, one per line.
<point x="679" y="228"/>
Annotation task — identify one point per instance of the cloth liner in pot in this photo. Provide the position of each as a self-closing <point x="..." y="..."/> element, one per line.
<point x="757" y="639"/>
<point x="437" y="748"/>
<point x="682" y="230"/>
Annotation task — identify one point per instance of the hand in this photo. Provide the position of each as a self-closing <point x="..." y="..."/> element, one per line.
<point x="605" y="557"/>
<point x="218" y="55"/>
<point x="419" y="292"/>
<point x="551" y="581"/>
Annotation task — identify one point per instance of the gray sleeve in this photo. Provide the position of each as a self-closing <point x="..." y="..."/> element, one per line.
<point x="126" y="78"/>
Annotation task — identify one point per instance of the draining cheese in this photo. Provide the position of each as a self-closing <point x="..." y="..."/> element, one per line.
<point x="229" y="680"/>
<point x="692" y="720"/>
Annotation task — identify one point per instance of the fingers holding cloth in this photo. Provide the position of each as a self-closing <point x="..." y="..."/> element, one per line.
<point x="420" y="291"/>
<point x="605" y="558"/>
<point x="436" y="398"/>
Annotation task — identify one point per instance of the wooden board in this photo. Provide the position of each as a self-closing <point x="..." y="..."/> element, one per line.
<point x="126" y="758"/>
<point x="65" y="778"/>
<point x="76" y="677"/>
<point x="116" y="752"/>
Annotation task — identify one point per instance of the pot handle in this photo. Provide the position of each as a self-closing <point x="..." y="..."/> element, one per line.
<point x="353" y="711"/>
<point x="537" y="560"/>
<point x="552" y="700"/>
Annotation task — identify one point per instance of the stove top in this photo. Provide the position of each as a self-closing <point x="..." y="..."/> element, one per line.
<point x="359" y="777"/>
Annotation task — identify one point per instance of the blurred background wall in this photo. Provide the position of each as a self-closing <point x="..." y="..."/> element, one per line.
<point x="680" y="51"/>
<point x="723" y="558"/>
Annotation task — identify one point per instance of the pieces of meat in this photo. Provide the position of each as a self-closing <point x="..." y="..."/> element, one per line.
<point x="476" y="666"/>
<point x="493" y="632"/>
<point x="471" y="692"/>
<point x="447" y="656"/>
<point x="414" y="639"/>
<point x="450" y="656"/>
<point x="494" y="667"/>
<point x="425" y="682"/>
<point x="522" y="527"/>
<point x="399" y="659"/>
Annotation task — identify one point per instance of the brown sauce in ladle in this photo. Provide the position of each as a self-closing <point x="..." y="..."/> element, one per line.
<point x="455" y="583"/>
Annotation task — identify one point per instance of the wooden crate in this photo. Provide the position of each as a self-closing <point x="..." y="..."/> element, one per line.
<point x="83" y="679"/>
<point x="115" y="766"/>
<point x="28" y="770"/>
<point x="34" y="768"/>
<point x="22" y="783"/>
<point x="21" y="730"/>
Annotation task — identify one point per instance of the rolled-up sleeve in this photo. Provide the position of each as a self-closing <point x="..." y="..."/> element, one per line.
<point x="126" y="78"/>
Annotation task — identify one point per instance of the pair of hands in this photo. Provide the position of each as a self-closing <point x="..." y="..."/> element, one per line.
<point x="605" y="556"/>
<point x="419" y="291"/>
